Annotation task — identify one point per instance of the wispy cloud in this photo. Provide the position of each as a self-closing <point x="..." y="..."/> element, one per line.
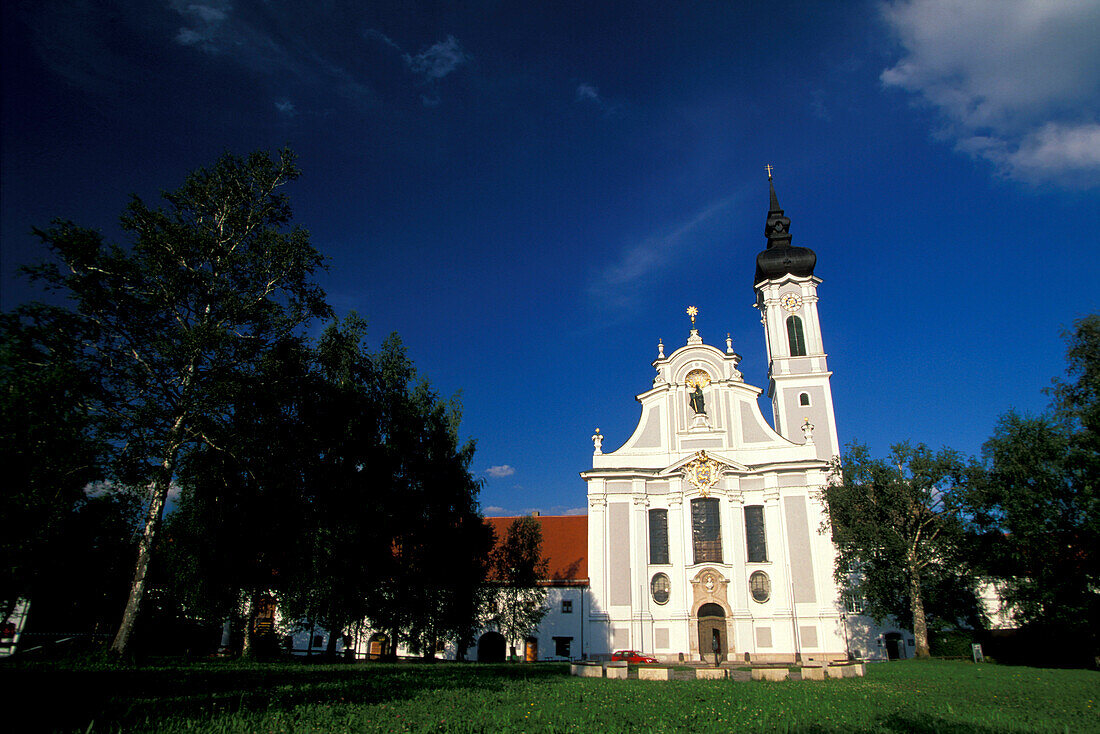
<point x="286" y="107"/>
<point x="430" y="65"/>
<point x="438" y="60"/>
<point x="588" y="93"/>
<point x="1016" y="82"/>
<point x="205" y="24"/>
<point x="502" y="470"/>
<point x="619" y="284"/>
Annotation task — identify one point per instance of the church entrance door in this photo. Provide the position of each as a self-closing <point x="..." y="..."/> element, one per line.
<point x="490" y="648"/>
<point x="712" y="627"/>
<point x="894" y="646"/>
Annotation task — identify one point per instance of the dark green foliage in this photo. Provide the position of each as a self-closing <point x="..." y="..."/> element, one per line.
<point x="900" y="542"/>
<point x="177" y="320"/>
<point x="324" y="476"/>
<point x="49" y="446"/>
<point x="1038" y="512"/>
<point x="342" y="490"/>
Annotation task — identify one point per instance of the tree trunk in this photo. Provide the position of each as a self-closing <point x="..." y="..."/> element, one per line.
<point x="920" y="626"/>
<point x="330" y="646"/>
<point x="248" y="639"/>
<point x="122" y="647"/>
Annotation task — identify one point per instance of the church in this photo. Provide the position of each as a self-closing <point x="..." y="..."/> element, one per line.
<point x="704" y="529"/>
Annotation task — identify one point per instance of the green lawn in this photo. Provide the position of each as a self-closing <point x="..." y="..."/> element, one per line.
<point x="920" y="696"/>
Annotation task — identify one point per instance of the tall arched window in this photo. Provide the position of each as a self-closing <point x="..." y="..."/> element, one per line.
<point x="706" y="531"/>
<point x="795" y="337"/>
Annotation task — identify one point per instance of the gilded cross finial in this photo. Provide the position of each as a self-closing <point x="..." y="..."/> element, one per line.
<point x="692" y="312"/>
<point x="769" y="169"/>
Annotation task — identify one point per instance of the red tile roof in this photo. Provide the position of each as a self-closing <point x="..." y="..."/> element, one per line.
<point x="564" y="545"/>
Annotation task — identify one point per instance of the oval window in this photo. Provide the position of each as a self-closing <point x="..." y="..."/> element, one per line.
<point x="760" y="586"/>
<point x="660" y="587"/>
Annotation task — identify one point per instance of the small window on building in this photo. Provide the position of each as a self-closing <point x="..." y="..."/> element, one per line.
<point x="658" y="536"/>
<point x="756" y="539"/>
<point x="854" y="602"/>
<point x="795" y="338"/>
<point x="660" y="587"/>
<point x="706" y="530"/>
<point x="803" y="399"/>
<point x="566" y="606"/>
<point x="760" y="586"/>
<point x="318" y="640"/>
<point x="561" y="646"/>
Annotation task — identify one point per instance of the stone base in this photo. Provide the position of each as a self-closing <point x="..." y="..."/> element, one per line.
<point x="654" y="673"/>
<point x="586" y="671"/>
<point x="813" y="673"/>
<point x="616" y="669"/>
<point x="772" y="674"/>
<point x="710" y="673"/>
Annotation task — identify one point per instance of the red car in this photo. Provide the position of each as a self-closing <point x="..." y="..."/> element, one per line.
<point x="633" y="656"/>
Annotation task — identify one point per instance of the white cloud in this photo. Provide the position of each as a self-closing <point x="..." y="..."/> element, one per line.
<point x="286" y="107"/>
<point x="588" y="91"/>
<point x="493" y="511"/>
<point x="438" y="60"/>
<point x="1017" y="82"/>
<point x="503" y="470"/>
<point x="207" y="21"/>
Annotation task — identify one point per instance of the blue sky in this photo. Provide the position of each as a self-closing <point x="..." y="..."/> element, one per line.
<point x="532" y="193"/>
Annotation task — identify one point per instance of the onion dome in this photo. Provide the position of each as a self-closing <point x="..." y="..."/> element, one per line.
<point x="781" y="258"/>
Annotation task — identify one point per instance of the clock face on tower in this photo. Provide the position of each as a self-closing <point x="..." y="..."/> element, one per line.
<point x="791" y="301"/>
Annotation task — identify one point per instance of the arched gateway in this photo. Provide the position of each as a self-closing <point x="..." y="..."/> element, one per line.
<point x="712" y="629"/>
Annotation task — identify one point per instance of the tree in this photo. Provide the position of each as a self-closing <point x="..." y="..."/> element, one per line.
<point x="518" y="566"/>
<point x="178" y="318"/>
<point x="1038" y="510"/>
<point x="898" y="535"/>
<point x="49" y="446"/>
<point x="430" y="590"/>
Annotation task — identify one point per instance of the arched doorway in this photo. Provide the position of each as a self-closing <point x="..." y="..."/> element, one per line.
<point x="490" y="648"/>
<point x="712" y="628"/>
<point x="893" y="645"/>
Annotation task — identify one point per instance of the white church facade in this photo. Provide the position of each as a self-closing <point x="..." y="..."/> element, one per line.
<point x="704" y="526"/>
<point x="704" y="533"/>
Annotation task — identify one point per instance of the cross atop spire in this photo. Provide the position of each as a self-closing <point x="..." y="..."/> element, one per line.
<point x="769" y="169"/>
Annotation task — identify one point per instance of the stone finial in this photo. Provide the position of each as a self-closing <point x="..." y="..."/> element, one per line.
<point x="660" y="349"/>
<point x="597" y="442"/>
<point x="808" y="430"/>
<point x="729" y="344"/>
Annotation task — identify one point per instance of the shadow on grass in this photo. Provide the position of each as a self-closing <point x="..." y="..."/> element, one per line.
<point x="69" y="699"/>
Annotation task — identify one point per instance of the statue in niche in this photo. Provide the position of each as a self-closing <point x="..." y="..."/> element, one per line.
<point x="696" y="400"/>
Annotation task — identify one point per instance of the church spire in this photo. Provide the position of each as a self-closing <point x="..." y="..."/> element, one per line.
<point x="780" y="257"/>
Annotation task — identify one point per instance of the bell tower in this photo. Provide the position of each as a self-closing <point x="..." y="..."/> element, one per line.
<point x="798" y="376"/>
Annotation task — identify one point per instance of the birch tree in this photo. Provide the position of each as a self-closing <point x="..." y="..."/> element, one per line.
<point x="898" y="534"/>
<point x="177" y="315"/>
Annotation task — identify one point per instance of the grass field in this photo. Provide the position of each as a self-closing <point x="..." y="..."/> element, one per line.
<point x="910" y="696"/>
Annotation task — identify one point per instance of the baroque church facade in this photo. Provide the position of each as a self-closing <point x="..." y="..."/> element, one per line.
<point x="704" y="529"/>
<point x="704" y="526"/>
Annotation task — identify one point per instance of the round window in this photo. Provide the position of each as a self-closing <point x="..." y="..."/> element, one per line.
<point x="760" y="586"/>
<point x="660" y="588"/>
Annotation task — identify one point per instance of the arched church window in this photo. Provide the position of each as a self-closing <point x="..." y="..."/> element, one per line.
<point x="760" y="586"/>
<point x="706" y="531"/>
<point x="795" y="337"/>
<point x="658" y="536"/>
<point x="756" y="539"/>
<point x="803" y="399"/>
<point x="660" y="587"/>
